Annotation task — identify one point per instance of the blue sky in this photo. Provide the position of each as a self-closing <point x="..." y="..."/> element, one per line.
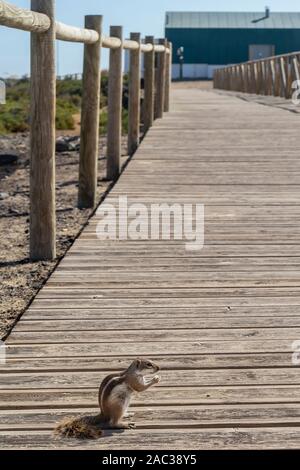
<point x="135" y="15"/>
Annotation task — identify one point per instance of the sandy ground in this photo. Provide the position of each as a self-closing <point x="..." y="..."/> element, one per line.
<point x="202" y="84"/>
<point x="21" y="279"/>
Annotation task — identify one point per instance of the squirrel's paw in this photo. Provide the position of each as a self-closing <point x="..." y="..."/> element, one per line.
<point x="157" y="379"/>
<point x="123" y="425"/>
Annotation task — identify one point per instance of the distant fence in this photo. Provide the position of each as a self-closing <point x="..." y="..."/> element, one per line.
<point x="271" y="76"/>
<point x="70" y="76"/>
<point x="40" y="21"/>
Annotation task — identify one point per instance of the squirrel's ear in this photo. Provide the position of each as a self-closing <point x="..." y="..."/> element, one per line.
<point x="139" y="363"/>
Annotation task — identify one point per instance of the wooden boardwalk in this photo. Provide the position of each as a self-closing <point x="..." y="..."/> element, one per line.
<point x="220" y="322"/>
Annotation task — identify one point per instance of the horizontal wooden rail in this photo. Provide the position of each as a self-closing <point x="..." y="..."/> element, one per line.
<point x="68" y="33"/>
<point x="40" y="21"/>
<point x="272" y="76"/>
<point x="20" y="18"/>
<point x="27" y="20"/>
<point x="130" y="45"/>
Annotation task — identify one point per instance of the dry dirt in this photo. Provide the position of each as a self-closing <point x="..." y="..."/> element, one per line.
<point x="21" y="279"/>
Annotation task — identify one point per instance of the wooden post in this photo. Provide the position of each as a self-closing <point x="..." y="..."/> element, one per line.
<point x="273" y="77"/>
<point x="149" y="78"/>
<point x="168" y="78"/>
<point x="255" y="75"/>
<point x="259" y="77"/>
<point x="90" y="109"/>
<point x="295" y="68"/>
<point x="245" y="78"/>
<point x="277" y="88"/>
<point x="216" y="79"/>
<point x="249" y="76"/>
<point x="262" y="77"/>
<point x="266" y="77"/>
<point x="283" y="77"/>
<point x="160" y="82"/>
<point x="42" y="138"/>
<point x="236" y="78"/>
<point x="219" y="81"/>
<point x="220" y="78"/>
<point x="239" y="78"/>
<point x="114" y="126"/>
<point x="225" y="84"/>
<point x="134" y="96"/>
<point x="252" y="78"/>
<point x="289" y="77"/>
<point x="231" y="80"/>
<point x="269" y="82"/>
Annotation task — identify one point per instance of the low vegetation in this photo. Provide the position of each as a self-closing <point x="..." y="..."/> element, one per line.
<point x="14" y="115"/>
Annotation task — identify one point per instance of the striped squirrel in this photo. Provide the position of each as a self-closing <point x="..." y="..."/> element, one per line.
<point x="115" y="394"/>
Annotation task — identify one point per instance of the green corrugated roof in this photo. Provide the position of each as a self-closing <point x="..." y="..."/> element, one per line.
<point x="244" y="20"/>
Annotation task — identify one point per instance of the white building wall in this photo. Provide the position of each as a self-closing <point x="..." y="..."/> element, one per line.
<point x="195" y="71"/>
<point x="190" y="71"/>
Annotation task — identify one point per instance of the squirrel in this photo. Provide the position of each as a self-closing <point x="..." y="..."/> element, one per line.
<point x="115" y="395"/>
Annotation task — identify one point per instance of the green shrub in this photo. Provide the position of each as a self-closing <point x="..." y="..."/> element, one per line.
<point x="14" y="115"/>
<point x="124" y="121"/>
<point x="104" y="119"/>
<point x="64" y="114"/>
<point x="103" y="122"/>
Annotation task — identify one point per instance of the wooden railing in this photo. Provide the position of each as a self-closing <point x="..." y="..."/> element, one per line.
<point x="40" y="22"/>
<point x="271" y="76"/>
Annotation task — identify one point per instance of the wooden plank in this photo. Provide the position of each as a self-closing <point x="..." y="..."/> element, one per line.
<point x="162" y="313"/>
<point x="200" y="378"/>
<point x="189" y="294"/>
<point x="171" y="362"/>
<point x="165" y="323"/>
<point x="158" y="250"/>
<point x="175" y="396"/>
<point x="152" y="349"/>
<point x="167" y="417"/>
<point x="237" y="438"/>
<point x="153" y="335"/>
<point x="99" y="301"/>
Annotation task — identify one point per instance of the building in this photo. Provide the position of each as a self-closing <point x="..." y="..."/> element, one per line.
<point x="213" y="39"/>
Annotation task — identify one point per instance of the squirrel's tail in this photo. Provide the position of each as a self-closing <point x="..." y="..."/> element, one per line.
<point x="85" y="427"/>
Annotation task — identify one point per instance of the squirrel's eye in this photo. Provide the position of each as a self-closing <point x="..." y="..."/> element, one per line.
<point x="149" y="365"/>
